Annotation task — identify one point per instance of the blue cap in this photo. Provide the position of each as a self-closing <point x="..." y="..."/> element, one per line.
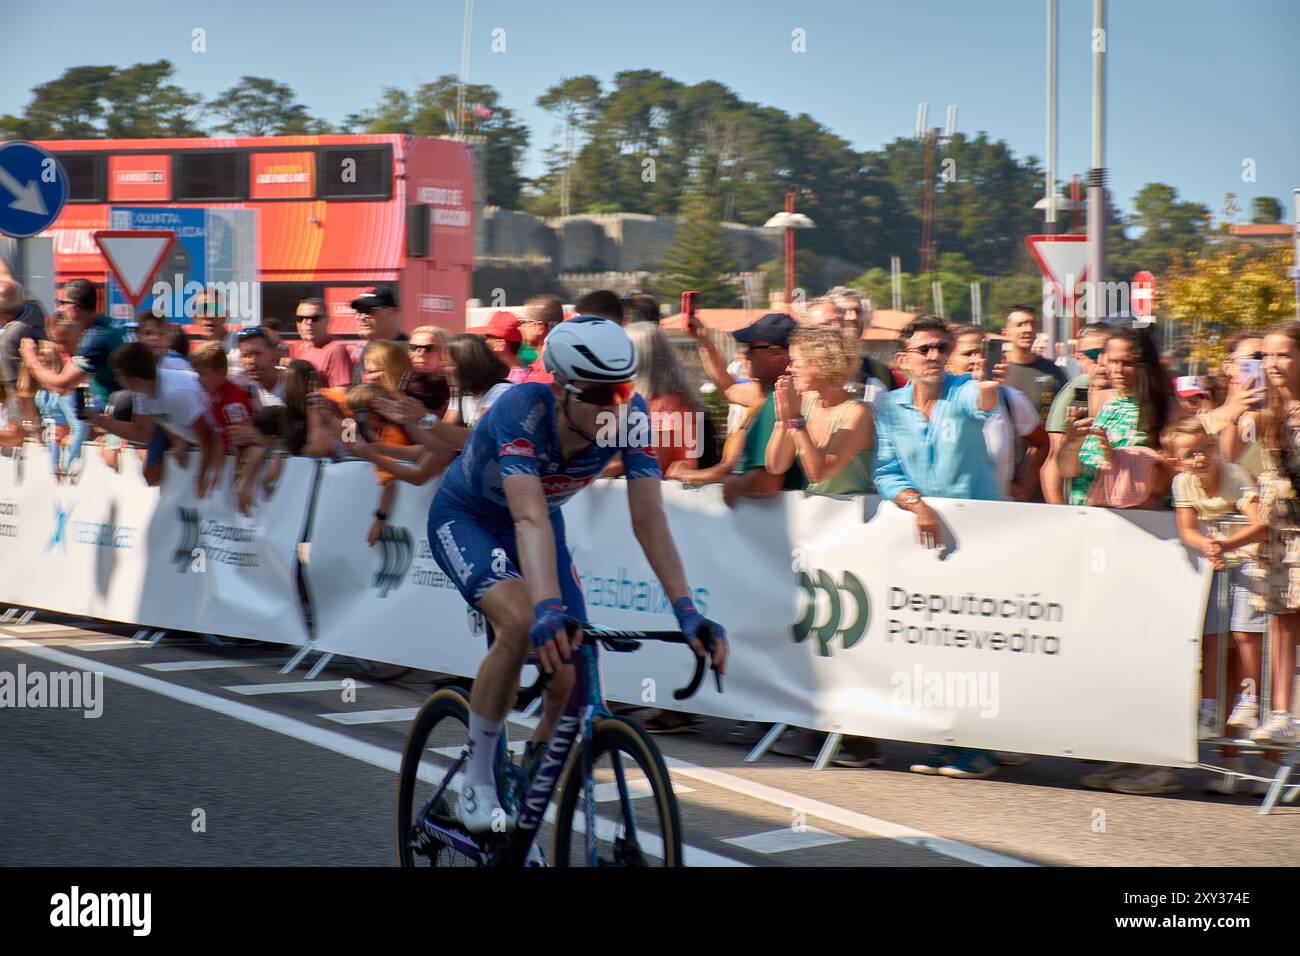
<point x="775" y="327"/>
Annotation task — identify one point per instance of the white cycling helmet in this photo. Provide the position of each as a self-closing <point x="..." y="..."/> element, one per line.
<point x="588" y="348"/>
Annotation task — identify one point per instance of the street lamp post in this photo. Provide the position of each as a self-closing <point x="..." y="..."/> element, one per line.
<point x="789" y="220"/>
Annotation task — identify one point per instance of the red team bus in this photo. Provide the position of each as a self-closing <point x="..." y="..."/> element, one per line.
<point x="336" y="213"/>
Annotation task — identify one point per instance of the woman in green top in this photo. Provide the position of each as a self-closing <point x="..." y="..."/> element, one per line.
<point x="1137" y="412"/>
<point x="830" y="431"/>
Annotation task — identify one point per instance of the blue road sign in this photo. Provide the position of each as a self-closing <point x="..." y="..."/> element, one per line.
<point x="33" y="189"/>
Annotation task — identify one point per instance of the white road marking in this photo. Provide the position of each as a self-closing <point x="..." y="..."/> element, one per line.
<point x="829" y="811"/>
<point x="331" y="740"/>
<point x="294" y="687"/>
<point x="785" y="840"/>
<point x="120" y="645"/>
<point x="391" y="716"/>
<point x="211" y="665"/>
<point x="41" y="628"/>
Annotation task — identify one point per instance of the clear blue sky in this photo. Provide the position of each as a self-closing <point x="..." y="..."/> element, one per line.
<point x="1195" y="86"/>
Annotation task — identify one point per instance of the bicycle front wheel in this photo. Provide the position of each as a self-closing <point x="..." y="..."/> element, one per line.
<point x="435" y="742"/>
<point x="636" y="821"/>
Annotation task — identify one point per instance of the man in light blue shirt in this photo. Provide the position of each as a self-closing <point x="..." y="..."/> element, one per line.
<point x="930" y="437"/>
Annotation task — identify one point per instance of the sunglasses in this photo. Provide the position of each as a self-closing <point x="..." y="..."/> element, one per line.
<point x="926" y="350"/>
<point x="760" y="348"/>
<point x="1092" y="354"/>
<point x="618" y="394"/>
<point x="256" y="332"/>
<point x="425" y="348"/>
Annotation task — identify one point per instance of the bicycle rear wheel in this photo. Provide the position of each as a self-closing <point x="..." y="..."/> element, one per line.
<point x="636" y="819"/>
<point x="435" y="742"/>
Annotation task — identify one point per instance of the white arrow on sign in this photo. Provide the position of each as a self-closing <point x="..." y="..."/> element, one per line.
<point x="28" y="197"/>
<point x="134" y="256"/>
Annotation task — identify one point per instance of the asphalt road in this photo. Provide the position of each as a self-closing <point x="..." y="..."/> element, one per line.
<point x="180" y="769"/>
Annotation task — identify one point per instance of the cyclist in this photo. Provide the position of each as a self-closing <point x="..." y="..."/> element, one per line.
<point x="496" y="530"/>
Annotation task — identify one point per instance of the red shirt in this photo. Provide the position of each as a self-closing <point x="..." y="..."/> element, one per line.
<point x="537" y="372"/>
<point x="230" y="406"/>
<point x="332" y="362"/>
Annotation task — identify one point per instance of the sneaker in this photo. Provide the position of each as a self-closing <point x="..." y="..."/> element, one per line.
<point x="1276" y="730"/>
<point x="1100" y="779"/>
<point x="1207" y="724"/>
<point x="1244" y="717"/>
<point x="1007" y="759"/>
<point x="479" y="807"/>
<point x="1147" y="782"/>
<point x="939" y="757"/>
<point x="1230" y="783"/>
<point x="857" y="752"/>
<point x="970" y="765"/>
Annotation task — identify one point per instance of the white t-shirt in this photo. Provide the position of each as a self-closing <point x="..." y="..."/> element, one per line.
<point x="1001" y="432"/>
<point x="472" y="409"/>
<point x="177" y="403"/>
<point x="265" y="397"/>
<point x="175" y="362"/>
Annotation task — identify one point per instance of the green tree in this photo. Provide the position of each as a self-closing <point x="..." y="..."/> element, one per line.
<point x="1265" y="210"/>
<point x="259" y="106"/>
<point x="698" y="257"/>
<point x="425" y="111"/>
<point x="91" y="102"/>
<point x="1166" y="229"/>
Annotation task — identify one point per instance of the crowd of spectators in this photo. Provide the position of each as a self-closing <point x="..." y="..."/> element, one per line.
<point x="956" y="412"/>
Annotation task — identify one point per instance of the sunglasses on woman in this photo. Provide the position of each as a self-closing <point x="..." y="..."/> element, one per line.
<point x="617" y="394"/>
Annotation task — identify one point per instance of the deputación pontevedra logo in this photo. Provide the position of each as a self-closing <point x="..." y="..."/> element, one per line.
<point x="847" y="618"/>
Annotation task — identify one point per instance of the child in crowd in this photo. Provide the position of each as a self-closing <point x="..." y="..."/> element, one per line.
<point x="1206" y="490"/>
<point x="228" y="403"/>
<point x="64" y="432"/>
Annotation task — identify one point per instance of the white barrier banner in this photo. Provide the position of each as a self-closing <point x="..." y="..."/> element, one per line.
<point x="110" y="547"/>
<point x="1083" y="642"/>
<point x="389" y="602"/>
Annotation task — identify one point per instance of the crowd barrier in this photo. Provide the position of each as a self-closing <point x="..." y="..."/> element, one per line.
<point x="1039" y="629"/>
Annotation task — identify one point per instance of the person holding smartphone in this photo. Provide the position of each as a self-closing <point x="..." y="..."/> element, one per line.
<point x="1015" y="418"/>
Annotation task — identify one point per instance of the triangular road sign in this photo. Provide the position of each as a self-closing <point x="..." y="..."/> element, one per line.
<point x="1060" y="257"/>
<point x="134" y="256"/>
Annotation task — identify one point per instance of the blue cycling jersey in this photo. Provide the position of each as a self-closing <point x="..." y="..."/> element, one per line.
<point x="518" y="436"/>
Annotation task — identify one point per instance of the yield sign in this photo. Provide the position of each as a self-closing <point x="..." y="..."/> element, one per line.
<point x="134" y="256"/>
<point x="1062" y="259"/>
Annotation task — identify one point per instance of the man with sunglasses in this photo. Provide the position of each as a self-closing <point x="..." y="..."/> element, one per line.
<point x="328" y="355"/>
<point x="496" y="530"/>
<point x="258" y="356"/>
<point x="99" y="337"/>
<point x="1090" y="346"/>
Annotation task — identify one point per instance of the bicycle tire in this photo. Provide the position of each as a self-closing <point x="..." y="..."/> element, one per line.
<point x="628" y="738"/>
<point x="446" y="703"/>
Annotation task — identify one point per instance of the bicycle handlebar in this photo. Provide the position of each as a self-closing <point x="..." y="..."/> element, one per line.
<point x="624" y="641"/>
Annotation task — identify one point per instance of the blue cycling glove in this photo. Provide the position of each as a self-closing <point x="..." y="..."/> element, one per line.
<point x="689" y="620"/>
<point x="548" y="617"/>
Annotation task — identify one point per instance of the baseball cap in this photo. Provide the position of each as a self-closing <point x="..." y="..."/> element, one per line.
<point x="502" y="325"/>
<point x="775" y="327"/>
<point x="1187" y="386"/>
<point x="380" y="297"/>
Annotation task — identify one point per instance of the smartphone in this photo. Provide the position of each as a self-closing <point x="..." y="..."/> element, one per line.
<point x="81" y="402"/>
<point x="992" y="356"/>
<point x="1080" y="397"/>
<point x="690" y="301"/>
<point x="1252" y="375"/>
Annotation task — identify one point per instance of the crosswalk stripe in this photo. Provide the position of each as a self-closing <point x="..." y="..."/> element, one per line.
<point x="784" y="840"/>
<point x="205" y="665"/>
<point x="295" y="687"/>
<point x="391" y="716"/>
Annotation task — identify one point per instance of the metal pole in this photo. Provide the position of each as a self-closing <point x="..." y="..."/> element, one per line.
<point x="1097" y="175"/>
<point x="1050" y="215"/>
<point x="789" y="258"/>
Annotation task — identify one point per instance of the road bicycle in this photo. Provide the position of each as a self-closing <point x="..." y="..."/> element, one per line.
<point x="615" y="763"/>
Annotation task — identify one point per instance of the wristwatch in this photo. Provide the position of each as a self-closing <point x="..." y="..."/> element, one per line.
<point x="381" y="515"/>
<point x="428" y="421"/>
<point x="795" y="423"/>
<point x="907" y="498"/>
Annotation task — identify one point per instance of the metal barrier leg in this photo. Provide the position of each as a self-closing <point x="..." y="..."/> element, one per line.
<point x="297" y="658"/>
<point x="320" y="665"/>
<point x="1278" y="785"/>
<point x="533" y="707"/>
<point x="156" y="638"/>
<point x="766" y="743"/>
<point x="213" y="640"/>
<point x="829" y="749"/>
<point x="27" y="616"/>
<point x="8" y="615"/>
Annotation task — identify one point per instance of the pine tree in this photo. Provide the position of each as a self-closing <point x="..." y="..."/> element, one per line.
<point x="699" y="257"/>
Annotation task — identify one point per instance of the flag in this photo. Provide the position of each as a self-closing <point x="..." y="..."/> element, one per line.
<point x="481" y="111"/>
